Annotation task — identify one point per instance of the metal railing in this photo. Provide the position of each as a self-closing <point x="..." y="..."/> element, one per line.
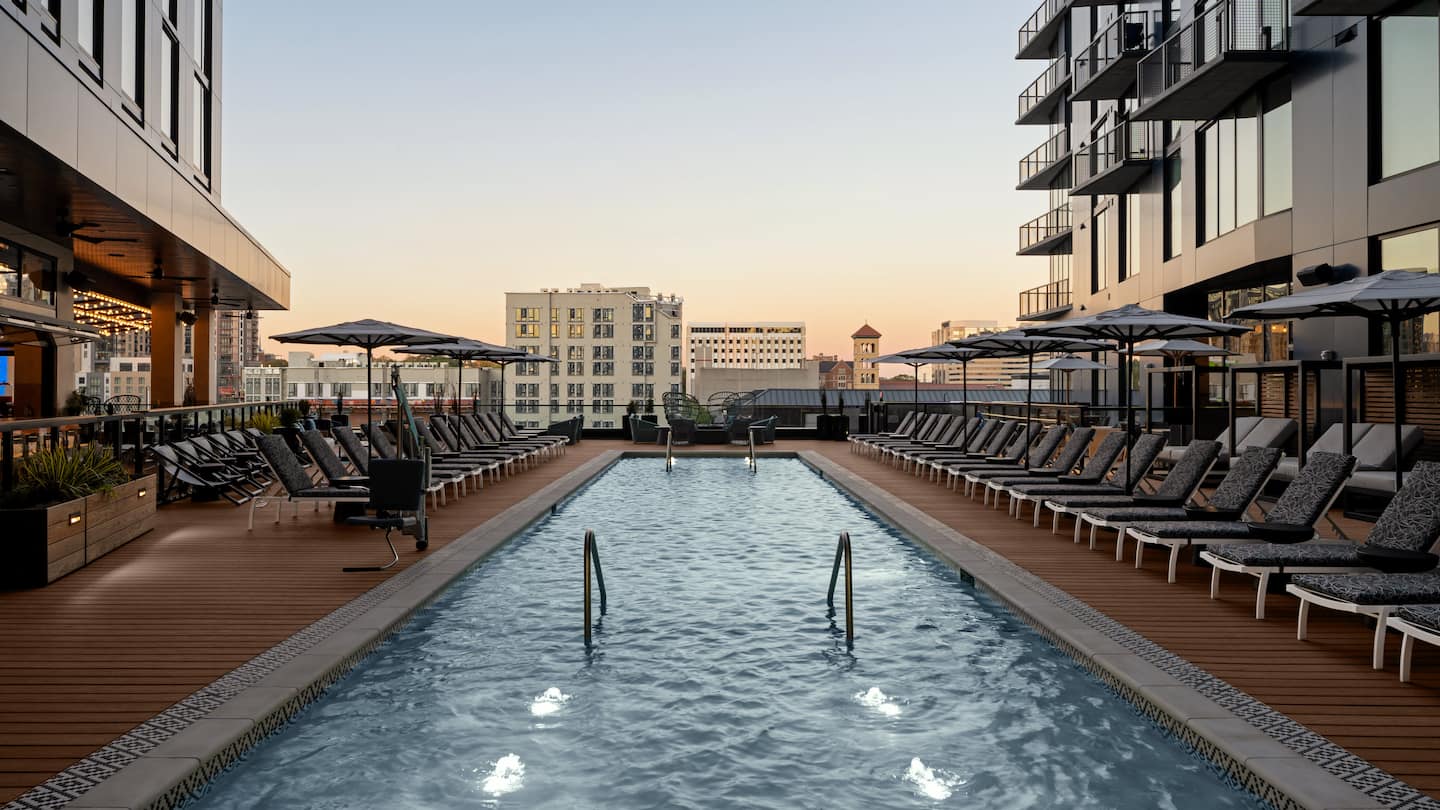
<point x="1129" y="33"/>
<point x="1126" y="141"/>
<point x="592" y="558"/>
<point x="1045" y="298"/>
<point x="1048" y="225"/>
<point x="1040" y="89"/>
<point x="1040" y="20"/>
<point x="1045" y="156"/>
<point x="843" y="554"/>
<point x="1255" y="26"/>
<point x="669" y="449"/>
<point x="750" y="460"/>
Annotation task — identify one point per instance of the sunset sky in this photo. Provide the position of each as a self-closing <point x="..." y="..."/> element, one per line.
<point x="832" y="161"/>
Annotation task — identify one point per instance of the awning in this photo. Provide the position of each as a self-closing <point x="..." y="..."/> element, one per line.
<point x="17" y="326"/>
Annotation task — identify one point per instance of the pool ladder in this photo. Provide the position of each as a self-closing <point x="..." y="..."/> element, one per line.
<point x="592" y="557"/>
<point x="751" y="460"/>
<point x="669" y="450"/>
<point x="842" y="553"/>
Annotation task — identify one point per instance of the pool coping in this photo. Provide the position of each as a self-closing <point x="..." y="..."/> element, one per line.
<point x="1136" y="668"/>
<point x="171" y="757"/>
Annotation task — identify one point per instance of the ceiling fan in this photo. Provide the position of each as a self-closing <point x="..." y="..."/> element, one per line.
<point x="157" y="273"/>
<point x="72" y="230"/>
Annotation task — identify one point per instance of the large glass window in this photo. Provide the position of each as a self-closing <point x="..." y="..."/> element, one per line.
<point x="89" y="25"/>
<point x="132" y="48"/>
<point x="200" y="127"/>
<point x="1230" y="154"/>
<point x="1131" y="264"/>
<point x="1409" y="68"/>
<point x="1278" y="150"/>
<point x="169" y="121"/>
<point x="26" y="275"/>
<point x="1266" y="341"/>
<point x="1417" y="250"/>
<point x="1173" y="201"/>
<point x="202" y="35"/>
<point x="1102" y="254"/>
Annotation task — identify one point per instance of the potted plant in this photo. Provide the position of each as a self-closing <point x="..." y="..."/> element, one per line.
<point x="74" y="404"/>
<point x="264" y="421"/>
<point x="70" y="506"/>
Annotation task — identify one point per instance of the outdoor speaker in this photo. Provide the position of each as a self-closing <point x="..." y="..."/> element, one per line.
<point x="1317" y="274"/>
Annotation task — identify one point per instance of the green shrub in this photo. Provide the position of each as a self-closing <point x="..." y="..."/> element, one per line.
<point x="289" y="416"/>
<point x="265" y="422"/>
<point x="58" y="474"/>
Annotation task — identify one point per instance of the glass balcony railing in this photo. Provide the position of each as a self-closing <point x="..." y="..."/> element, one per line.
<point x="1105" y="69"/>
<point x="1116" y="160"/>
<point x="1038" y="33"/>
<point x="1342" y="8"/>
<point x="1173" y="74"/>
<point x="1046" y="301"/>
<point x="1045" y="92"/>
<point x="1043" y="167"/>
<point x="1040" y="235"/>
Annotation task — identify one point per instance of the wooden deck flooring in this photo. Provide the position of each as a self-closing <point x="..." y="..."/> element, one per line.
<point x="86" y="659"/>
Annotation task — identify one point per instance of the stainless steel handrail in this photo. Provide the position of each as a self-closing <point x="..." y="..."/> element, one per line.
<point x="751" y="460"/>
<point x="592" y="557"/>
<point x="842" y="552"/>
<point x="670" y="449"/>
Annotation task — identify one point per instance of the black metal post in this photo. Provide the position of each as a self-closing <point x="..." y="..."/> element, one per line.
<point x="1397" y="394"/>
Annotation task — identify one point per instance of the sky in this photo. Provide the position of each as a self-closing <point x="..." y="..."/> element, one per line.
<point x="831" y="161"/>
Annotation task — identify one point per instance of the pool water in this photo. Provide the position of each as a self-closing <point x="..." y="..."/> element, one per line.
<point x="717" y="679"/>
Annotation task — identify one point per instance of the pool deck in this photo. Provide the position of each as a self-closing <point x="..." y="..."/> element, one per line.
<point x="100" y="654"/>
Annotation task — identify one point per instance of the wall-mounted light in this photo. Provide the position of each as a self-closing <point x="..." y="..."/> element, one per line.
<point x="142" y="492"/>
<point x="74" y="518"/>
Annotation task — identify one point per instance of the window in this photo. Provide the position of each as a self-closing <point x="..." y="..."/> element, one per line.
<point x="644" y="313"/>
<point x="1173" y="229"/>
<point x="200" y="124"/>
<point x="527" y="330"/>
<point x="1102" y="252"/>
<point x="642" y="352"/>
<point x="574" y="352"/>
<point x="527" y="314"/>
<point x="575" y="369"/>
<point x="675" y="352"/>
<point x="603" y="315"/>
<point x="674" y="369"/>
<point x="201" y="29"/>
<point x="1417" y="250"/>
<point x="1267" y="341"/>
<point x="642" y="391"/>
<point x="132" y="49"/>
<point x="603" y="331"/>
<point x="1409" y="97"/>
<point x="603" y="370"/>
<point x="602" y="390"/>
<point x="573" y="390"/>
<point x="1130" y="265"/>
<point x="577" y="330"/>
<point x="26" y="275"/>
<point x="602" y="352"/>
<point x="642" y="369"/>
<point x="169" y="120"/>
<point x="90" y="28"/>
<point x="1277" y="150"/>
<point x="674" y="331"/>
<point x="577" y="313"/>
<point x="643" y="331"/>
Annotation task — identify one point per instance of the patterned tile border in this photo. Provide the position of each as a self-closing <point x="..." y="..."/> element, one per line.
<point x="163" y="761"/>
<point x="1201" y="710"/>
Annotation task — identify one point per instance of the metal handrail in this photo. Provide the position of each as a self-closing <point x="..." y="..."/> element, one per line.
<point x="1040" y="19"/>
<point x="751" y="460"/>
<point x="1040" y="89"/>
<point x="669" y="449"/>
<point x="1050" y="224"/>
<point x="1255" y="26"/>
<point x="1126" y="141"/>
<point x="592" y="557"/>
<point x="842" y="551"/>
<point x="1045" y="298"/>
<point x="1130" y="32"/>
<point x="1053" y="150"/>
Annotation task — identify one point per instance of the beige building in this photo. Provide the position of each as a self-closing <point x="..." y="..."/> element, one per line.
<point x="322" y="378"/>
<point x="996" y="371"/>
<point x="708" y="381"/>
<point x="867" y="347"/>
<point x="612" y="346"/>
<point x="747" y="344"/>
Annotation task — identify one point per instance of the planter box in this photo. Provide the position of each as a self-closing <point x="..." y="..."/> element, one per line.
<point x="47" y="543"/>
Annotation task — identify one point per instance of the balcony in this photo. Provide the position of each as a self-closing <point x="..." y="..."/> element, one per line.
<point x="1105" y="69"/>
<point x="1048" y="166"/>
<point x="1342" y="8"/>
<point x="1046" y="93"/>
<point x="1046" y="302"/>
<point x="1038" y="34"/>
<point x="1214" y="61"/>
<point x="1047" y="234"/>
<point x="1116" y="161"/>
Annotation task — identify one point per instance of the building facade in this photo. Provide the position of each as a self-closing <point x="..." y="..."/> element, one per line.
<point x="611" y="345"/>
<point x="1195" y="157"/>
<point x="747" y="344"/>
<point x="110" y="192"/>
<point x="987" y="371"/>
<point x="324" y="378"/>
<point x="866" y="344"/>
<point x="237" y="345"/>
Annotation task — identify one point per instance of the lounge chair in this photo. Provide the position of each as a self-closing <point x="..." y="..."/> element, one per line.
<point x="642" y="430"/>
<point x="1303" y="503"/>
<point x="902" y="430"/>
<point x="970" y="437"/>
<point x="1064" y="462"/>
<point x="504" y="430"/>
<point x="349" y="441"/>
<point x="1137" y="461"/>
<point x="1180" y="485"/>
<point x="928" y="428"/>
<point x="901" y="453"/>
<point x="1096" y="469"/>
<point x="296" y="483"/>
<point x="443" y="451"/>
<point x="184" y="475"/>
<point x="454" y="474"/>
<point x="479" y="432"/>
<point x="935" y="431"/>
<point x="330" y="464"/>
<point x="1410" y="524"/>
<point x="1232" y="498"/>
<point x="1020" y="451"/>
<point x="1415" y="623"/>
<point x="1243" y="425"/>
<point x="1375" y="474"/>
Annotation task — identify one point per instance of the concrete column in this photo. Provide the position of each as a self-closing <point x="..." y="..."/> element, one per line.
<point x="167" y="351"/>
<point x="202" y="346"/>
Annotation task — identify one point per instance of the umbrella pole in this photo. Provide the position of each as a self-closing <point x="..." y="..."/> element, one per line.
<point x="1029" y="389"/>
<point x="1397" y="389"/>
<point x="1129" y="412"/>
<point x="916" y="369"/>
<point x="965" y="404"/>
<point x="369" y="403"/>
<point x="502" y="390"/>
<point x="459" y="384"/>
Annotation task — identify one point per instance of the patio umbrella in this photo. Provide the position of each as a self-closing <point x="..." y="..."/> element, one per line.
<point x="516" y="356"/>
<point x="1391" y="297"/>
<point x="1127" y="326"/>
<point x="1070" y="364"/>
<point x="1177" y="351"/>
<point x="369" y="335"/>
<point x="463" y="349"/>
<point x="1015" y="343"/>
<point x="940" y="354"/>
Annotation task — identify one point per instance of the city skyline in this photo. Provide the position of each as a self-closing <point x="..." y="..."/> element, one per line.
<point x="834" y="156"/>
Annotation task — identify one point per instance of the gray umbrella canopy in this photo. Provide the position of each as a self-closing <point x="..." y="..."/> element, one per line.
<point x="368" y="334"/>
<point x="1069" y="364"/>
<point x="1128" y="325"/>
<point x="1179" y="348"/>
<point x="1016" y="343"/>
<point x="463" y="349"/>
<point x="944" y="353"/>
<point x="1392" y="297"/>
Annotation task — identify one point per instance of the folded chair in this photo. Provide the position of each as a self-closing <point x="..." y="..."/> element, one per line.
<point x="1408" y="527"/>
<point x="297" y="486"/>
<point x="1303" y="503"/>
<point x="1137" y="461"/>
<point x="1231" y="499"/>
<point x="1064" y="462"/>
<point x="1180" y="485"/>
<point x="1096" y="469"/>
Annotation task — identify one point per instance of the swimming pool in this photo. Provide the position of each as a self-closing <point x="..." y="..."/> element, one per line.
<point x="717" y="679"/>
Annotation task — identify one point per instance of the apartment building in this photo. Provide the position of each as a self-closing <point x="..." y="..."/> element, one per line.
<point x="1197" y="157"/>
<point x="989" y="371"/>
<point x="324" y="378"/>
<point x="611" y="346"/>
<point x="747" y="344"/>
<point x="110" y="193"/>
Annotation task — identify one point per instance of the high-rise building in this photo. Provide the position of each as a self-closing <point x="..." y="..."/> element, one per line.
<point x="866" y="342"/>
<point x="1196" y="157"/>
<point x="237" y="345"/>
<point x="612" y="346"/>
<point x="110" y="194"/>
<point x="747" y="344"/>
<point x="985" y="371"/>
